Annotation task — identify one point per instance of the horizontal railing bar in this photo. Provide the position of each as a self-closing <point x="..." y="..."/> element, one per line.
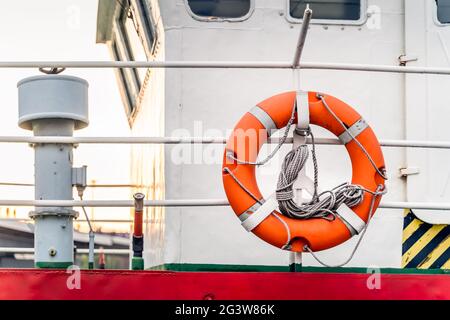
<point x="78" y="220"/>
<point x="31" y="250"/>
<point x="188" y="203"/>
<point x="113" y="140"/>
<point x="204" y="140"/>
<point x="415" y="205"/>
<point x="20" y="184"/>
<point x="149" y="64"/>
<point x="114" y="203"/>
<point x="16" y="184"/>
<point x="225" y="65"/>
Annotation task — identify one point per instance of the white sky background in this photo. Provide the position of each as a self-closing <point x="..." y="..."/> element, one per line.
<point x="61" y="30"/>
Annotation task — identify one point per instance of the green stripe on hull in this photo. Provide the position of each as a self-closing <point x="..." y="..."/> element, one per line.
<point x="137" y="263"/>
<point x="191" y="267"/>
<point x="53" y="265"/>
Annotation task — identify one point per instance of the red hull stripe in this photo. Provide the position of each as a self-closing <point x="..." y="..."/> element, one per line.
<point x="109" y="284"/>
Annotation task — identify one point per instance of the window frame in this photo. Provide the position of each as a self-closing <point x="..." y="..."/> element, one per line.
<point x="435" y="16"/>
<point x="361" y="21"/>
<point x="128" y="80"/>
<point x="130" y="84"/>
<point x="220" y="19"/>
<point x="144" y="14"/>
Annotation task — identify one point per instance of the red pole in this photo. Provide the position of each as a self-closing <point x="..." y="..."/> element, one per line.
<point x="101" y="259"/>
<point x="137" y="262"/>
<point x="138" y="214"/>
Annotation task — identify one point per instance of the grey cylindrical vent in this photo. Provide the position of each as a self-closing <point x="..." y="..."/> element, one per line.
<point x="53" y="97"/>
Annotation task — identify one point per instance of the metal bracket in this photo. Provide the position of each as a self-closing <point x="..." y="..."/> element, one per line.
<point x="79" y="177"/>
<point x="408" y="171"/>
<point x="405" y="58"/>
<point x="302" y="106"/>
<point x="53" y="212"/>
<point x="301" y="131"/>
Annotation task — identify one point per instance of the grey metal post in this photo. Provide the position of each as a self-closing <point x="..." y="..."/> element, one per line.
<point x="296" y="258"/>
<point x="53" y="105"/>
<point x="302" y="37"/>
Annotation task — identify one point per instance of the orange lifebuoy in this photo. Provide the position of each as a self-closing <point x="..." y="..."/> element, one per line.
<point x="245" y="143"/>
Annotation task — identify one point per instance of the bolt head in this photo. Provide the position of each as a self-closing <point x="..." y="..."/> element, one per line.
<point x="52" y="252"/>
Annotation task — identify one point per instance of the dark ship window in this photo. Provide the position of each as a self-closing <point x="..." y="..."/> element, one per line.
<point x="443" y="11"/>
<point x="225" y="9"/>
<point x="346" y="10"/>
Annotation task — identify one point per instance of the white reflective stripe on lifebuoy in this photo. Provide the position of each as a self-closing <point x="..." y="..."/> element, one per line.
<point x="265" y="119"/>
<point x="358" y="127"/>
<point x="260" y="214"/>
<point x="302" y="104"/>
<point x="243" y="216"/>
<point x="353" y="222"/>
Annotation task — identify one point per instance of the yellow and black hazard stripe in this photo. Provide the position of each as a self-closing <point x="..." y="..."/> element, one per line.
<point x="425" y="246"/>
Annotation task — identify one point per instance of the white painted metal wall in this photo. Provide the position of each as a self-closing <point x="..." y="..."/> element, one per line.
<point x="427" y="107"/>
<point x="395" y="105"/>
<point x="147" y="161"/>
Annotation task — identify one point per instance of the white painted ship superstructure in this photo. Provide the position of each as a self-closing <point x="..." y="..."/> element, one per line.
<point x="197" y="101"/>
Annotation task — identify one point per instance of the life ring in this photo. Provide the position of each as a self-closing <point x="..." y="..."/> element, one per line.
<point x="245" y="143"/>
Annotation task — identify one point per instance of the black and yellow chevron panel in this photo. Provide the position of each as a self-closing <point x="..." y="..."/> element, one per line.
<point x="425" y="246"/>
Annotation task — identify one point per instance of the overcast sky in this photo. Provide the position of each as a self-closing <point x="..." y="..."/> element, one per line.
<point x="61" y="30"/>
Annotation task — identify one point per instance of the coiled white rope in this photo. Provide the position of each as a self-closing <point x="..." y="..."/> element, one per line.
<point x="319" y="206"/>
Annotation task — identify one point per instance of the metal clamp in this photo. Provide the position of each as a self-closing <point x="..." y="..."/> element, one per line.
<point x="51" y="70"/>
<point x="302" y="106"/>
<point x="53" y="212"/>
<point x="79" y="177"/>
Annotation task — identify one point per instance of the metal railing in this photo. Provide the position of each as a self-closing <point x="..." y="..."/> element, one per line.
<point x="28" y="220"/>
<point x="226" y="65"/>
<point x="83" y="251"/>
<point x="97" y="185"/>
<point x="296" y="64"/>
<point x="195" y="140"/>
<point x="188" y="203"/>
<point x="206" y="140"/>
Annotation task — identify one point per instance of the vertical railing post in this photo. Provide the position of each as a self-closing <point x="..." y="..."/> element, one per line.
<point x="302" y="37"/>
<point x="295" y="258"/>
